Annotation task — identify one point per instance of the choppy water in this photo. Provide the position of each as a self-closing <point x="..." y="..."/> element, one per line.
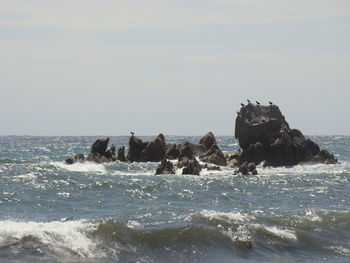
<point x="119" y="212"/>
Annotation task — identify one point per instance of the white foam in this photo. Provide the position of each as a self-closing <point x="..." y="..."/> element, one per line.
<point x="278" y="232"/>
<point x="27" y="177"/>
<point x="63" y="238"/>
<point x="85" y="167"/>
<point x="230" y="217"/>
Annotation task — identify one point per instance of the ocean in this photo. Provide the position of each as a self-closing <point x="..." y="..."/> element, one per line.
<point x="122" y="212"/>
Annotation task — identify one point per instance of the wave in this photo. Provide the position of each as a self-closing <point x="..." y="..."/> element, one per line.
<point x="207" y="233"/>
<point x="61" y="239"/>
<point x="84" y="167"/>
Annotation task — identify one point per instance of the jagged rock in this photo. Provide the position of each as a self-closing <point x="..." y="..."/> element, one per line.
<point x="136" y="146"/>
<point x="214" y="155"/>
<point x="75" y="159"/>
<point x="208" y="140"/>
<point x="99" y="152"/>
<point x="100" y="146"/>
<point x="121" y="154"/>
<point x="154" y="151"/>
<point x="189" y="165"/>
<point x="110" y="153"/>
<point x="165" y="167"/>
<point x="171" y="151"/>
<point x="265" y="136"/>
<point x="190" y="150"/>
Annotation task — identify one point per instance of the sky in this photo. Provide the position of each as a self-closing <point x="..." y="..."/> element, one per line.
<point x="180" y="67"/>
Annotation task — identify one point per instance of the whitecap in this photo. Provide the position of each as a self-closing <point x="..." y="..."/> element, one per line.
<point x="84" y="167"/>
<point x="65" y="239"/>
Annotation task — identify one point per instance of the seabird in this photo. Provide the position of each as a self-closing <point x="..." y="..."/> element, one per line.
<point x="132" y="134"/>
<point x="270" y="103"/>
<point x="257" y="102"/>
<point x="242" y="104"/>
<point x="237" y="112"/>
<point x="248" y="101"/>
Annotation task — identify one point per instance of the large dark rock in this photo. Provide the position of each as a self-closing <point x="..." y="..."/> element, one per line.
<point x="190" y="150"/>
<point x="100" y="146"/>
<point x="258" y="123"/>
<point x="136" y="146"/>
<point x="264" y="136"/>
<point x="171" y="151"/>
<point x="154" y="151"/>
<point x="214" y="155"/>
<point x="99" y="152"/>
<point x="165" y="167"/>
<point x="190" y="165"/>
<point x="208" y="140"/>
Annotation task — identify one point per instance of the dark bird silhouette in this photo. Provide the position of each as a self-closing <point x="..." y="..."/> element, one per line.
<point x="248" y="101"/>
<point x="257" y="102"/>
<point x="242" y="104"/>
<point x="270" y="103"/>
<point x="132" y="134"/>
<point x="237" y="112"/>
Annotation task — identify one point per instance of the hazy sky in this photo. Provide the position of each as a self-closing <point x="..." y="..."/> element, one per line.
<point x="181" y="67"/>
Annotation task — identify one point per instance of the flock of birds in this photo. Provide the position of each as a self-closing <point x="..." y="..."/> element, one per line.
<point x="257" y="102"/>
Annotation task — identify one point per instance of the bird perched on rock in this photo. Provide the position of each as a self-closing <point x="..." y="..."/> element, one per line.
<point x="242" y="104"/>
<point x="237" y="112"/>
<point x="248" y="101"/>
<point x="132" y="134"/>
<point x="257" y="102"/>
<point x="270" y="103"/>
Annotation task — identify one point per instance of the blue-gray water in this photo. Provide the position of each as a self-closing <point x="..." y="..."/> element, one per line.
<point x="120" y="212"/>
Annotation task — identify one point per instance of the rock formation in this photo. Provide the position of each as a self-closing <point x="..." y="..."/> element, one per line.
<point x="153" y="151"/>
<point x="265" y="136"/>
<point x="99" y="152"/>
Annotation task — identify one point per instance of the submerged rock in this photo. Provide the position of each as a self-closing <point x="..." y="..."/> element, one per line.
<point x="264" y="136"/>
<point x="77" y="158"/>
<point x="189" y="165"/>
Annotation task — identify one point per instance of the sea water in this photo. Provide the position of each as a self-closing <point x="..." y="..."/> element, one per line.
<point x="122" y="212"/>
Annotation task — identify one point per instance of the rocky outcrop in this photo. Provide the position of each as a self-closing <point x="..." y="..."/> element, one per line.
<point x="214" y="155"/>
<point x="265" y="136"/>
<point x="171" y="151"/>
<point x="208" y="140"/>
<point x="99" y="152"/>
<point x="153" y="151"/>
<point x="165" y="167"/>
<point x="190" y="150"/>
<point x="136" y="146"/>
